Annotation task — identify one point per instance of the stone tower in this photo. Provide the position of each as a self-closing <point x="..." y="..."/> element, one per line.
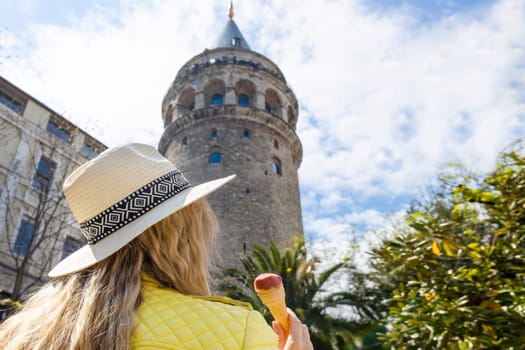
<point x="230" y="111"/>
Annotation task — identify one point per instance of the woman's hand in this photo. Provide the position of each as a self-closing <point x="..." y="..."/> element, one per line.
<point x="297" y="339"/>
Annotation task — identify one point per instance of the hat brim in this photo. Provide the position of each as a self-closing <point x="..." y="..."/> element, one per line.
<point x="91" y="254"/>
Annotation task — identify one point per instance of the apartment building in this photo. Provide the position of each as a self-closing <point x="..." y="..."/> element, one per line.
<point x="38" y="149"/>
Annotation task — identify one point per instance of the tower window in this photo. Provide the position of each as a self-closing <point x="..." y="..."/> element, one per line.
<point x="276" y="167"/>
<point x="236" y="41"/>
<point x="44" y="174"/>
<point x="215" y="158"/>
<point x="272" y="102"/>
<point x="216" y="100"/>
<point x="246" y="134"/>
<point x="243" y="100"/>
<point x="169" y="114"/>
<point x="184" y="141"/>
<point x="213" y="134"/>
<point x="185" y="102"/>
<point x="24" y="237"/>
<point x="275" y="144"/>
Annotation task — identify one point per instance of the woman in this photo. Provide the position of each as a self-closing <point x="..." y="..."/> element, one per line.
<point x="141" y="280"/>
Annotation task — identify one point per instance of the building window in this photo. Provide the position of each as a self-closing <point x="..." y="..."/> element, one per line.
<point x="70" y="245"/>
<point x="215" y="158"/>
<point x="267" y="107"/>
<point x="243" y="100"/>
<point x="216" y="100"/>
<point x="276" y="167"/>
<point x="24" y="237"/>
<point x="58" y="129"/>
<point x="10" y="102"/>
<point x="184" y="141"/>
<point x="44" y="174"/>
<point x="275" y="144"/>
<point x="89" y="151"/>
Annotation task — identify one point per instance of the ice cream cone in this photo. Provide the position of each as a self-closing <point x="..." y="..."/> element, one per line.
<point x="269" y="288"/>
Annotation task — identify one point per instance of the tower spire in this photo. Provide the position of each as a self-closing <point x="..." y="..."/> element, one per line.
<point x="230" y="10"/>
<point x="231" y="36"/>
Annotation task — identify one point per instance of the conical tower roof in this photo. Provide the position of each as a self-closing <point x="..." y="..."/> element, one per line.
<point x="231" y="36"/>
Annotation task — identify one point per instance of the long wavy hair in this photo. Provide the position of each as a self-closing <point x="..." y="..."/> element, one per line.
<point x="95" y="308"/>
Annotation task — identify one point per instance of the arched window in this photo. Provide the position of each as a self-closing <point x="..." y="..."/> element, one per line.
<point x="243" y="100"/>
<point x="272" y="102"/>
<point x="214" y="92"/>
<point x="186" y="101"/>
<point x="169" y="114"/>
<point x="216" y="100"/>
<point x="291" y="117"/>
<point x="215" y="158"/>
<point x="213" y="134"/>
<point x="276" y="167"/>
<point x="246" y="92"/>
<point x="246" y="134"/>
<point x="275" y="144"/>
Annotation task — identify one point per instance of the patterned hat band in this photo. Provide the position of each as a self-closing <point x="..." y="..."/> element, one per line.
<point x="133" y="206"/>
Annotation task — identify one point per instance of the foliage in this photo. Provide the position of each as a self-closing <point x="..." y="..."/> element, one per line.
<point x="458" y="269"/>
<point x="7" y="305"/>
<point x="307" y="293"/>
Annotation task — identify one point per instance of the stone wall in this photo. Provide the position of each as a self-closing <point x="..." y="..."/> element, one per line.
<point x="258" y="204"/>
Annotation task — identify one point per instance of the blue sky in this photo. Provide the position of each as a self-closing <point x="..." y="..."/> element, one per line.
<point x="388" y="90"/>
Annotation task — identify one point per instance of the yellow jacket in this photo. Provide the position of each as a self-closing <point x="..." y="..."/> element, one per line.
<point x="167" y="319"/>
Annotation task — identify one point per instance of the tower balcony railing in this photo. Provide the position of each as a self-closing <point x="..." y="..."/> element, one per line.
<point x="226" y="60"/>
<point x="259" y="116"/>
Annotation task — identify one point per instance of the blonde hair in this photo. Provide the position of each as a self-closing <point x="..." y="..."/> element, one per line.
<point x="95" y="308"/>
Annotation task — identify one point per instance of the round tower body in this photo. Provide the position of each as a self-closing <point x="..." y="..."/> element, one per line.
<point x="230" y="111"/>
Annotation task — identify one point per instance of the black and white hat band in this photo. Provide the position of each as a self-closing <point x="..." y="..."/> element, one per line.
<point x="133" y="206"/>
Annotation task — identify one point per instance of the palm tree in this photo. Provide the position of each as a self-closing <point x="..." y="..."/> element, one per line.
<point x="307" y="293"/>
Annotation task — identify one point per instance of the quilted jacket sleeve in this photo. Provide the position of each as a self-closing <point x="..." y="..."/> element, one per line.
<point x="259" y="335"/>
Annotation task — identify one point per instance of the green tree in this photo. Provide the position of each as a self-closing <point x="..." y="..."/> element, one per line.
<point x="458" y="268"/>
<point x="307" y="293"/>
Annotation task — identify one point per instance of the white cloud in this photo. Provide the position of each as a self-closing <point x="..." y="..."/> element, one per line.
<point x="110" y="70"/>
<point x="385" y="97"/>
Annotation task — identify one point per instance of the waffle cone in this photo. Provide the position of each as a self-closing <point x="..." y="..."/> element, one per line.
<point x="274" y="299"/>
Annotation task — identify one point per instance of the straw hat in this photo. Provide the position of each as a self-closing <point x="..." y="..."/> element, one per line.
<point x="120" y="193"/>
